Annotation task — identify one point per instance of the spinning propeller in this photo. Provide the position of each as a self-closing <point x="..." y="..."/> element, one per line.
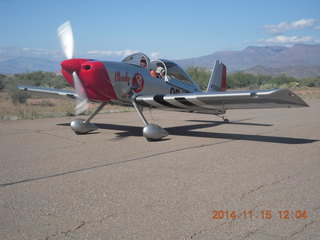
<point x="66" y="39"/>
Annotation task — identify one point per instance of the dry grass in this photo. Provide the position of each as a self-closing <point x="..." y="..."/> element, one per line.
<point x="50" y="108"/>
<point x="46" y="108"/>
<point x="308" y="92"/>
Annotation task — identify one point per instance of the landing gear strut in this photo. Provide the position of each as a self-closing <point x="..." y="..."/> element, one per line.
<point x="225" y="120"/>
<point x="221" y="114"/>
<point x="80" y="126"/>
<point x="150" y="131"/>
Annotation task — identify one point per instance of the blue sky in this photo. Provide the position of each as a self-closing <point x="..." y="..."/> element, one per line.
<point x="167" y="29"/>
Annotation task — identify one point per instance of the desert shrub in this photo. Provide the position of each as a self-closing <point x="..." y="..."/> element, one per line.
<point x="17" y="96"/>
<point x="311" y="82"/>
<point x="2" y="81"/>
<point x="268" y="86"/>
<point x="43" y="79"/>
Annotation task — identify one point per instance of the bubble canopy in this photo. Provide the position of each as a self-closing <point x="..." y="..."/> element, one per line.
<point x="173" y="73"/>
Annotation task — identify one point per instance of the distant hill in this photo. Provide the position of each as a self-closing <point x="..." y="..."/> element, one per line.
<point x="270" y="59"/>
<point x="28" y="64"/>
<point x="20" y="60"/>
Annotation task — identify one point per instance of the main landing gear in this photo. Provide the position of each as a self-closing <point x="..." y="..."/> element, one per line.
<point x="225" y="120"/>
<point x="221" y="114"/>
<point x="80" y="126"/>
<point x="151" y="132"/>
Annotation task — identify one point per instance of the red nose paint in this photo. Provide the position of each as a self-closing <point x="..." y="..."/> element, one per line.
<point x="71" y="65"/>
<point x="96" y="81"/>
<point x="94" y="78"/>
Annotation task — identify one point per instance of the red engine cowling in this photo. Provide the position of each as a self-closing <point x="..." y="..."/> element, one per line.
<point x="94" y="78"/>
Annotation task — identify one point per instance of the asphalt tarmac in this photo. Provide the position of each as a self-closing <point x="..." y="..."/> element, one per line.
<point x="257" y="177"/>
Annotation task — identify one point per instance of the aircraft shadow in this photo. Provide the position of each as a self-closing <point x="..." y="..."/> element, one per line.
<point x="191" y="131"/>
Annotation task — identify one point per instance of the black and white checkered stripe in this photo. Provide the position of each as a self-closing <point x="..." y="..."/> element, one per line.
<point x="174" y="102"/>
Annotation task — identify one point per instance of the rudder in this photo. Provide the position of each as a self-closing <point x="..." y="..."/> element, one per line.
<point x="218" y="78"/>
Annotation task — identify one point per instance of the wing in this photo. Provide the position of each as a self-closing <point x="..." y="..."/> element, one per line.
<point x="49" y="92"/>
<point x="214" y="102"/>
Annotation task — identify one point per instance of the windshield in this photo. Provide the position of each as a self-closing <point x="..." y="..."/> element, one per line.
<point x="175" y="71"/>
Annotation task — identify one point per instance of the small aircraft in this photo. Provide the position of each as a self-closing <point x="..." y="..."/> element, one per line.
<point x="139" y="82"/>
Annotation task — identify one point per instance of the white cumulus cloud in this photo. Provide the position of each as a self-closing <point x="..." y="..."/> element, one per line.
<point x="303" y="23"/>
<point x="120" y="53"/>
<point x="285" y="26"/>
<point x="95" y="52"/>
<point x="155" y="55"/>
<point x="289" y="40"/>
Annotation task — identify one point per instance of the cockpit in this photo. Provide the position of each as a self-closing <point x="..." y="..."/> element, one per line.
<point x="165" y="70"/>
<point x="138" y="59"/>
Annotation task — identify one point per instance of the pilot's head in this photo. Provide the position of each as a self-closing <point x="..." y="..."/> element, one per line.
<point x="160" y="70"/>
<point x="143" y="62"/>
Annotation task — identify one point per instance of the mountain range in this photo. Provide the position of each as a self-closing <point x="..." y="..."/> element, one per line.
<point x="299" y="60"/>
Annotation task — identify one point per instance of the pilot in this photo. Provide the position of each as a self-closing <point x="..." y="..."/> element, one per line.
<point x="161" y="72"/>
<point x="143" y="62"/>
<point x="153" y="73"/>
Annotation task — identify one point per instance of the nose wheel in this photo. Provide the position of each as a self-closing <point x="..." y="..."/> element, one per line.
<point x="80" y="126"/>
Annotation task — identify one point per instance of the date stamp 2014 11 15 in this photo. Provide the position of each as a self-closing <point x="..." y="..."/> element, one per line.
<point x="264" y="214"/>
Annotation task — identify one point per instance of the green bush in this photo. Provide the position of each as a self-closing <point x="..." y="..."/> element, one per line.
<point x="2" y="81"/>
<point x="39" y="78"/>
<point x="17" y="96"/>
<point x="311" y="82"/>
<point x="43" y="79"/>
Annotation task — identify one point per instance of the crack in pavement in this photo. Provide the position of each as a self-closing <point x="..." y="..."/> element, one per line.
<point x="83" y="223"/>
<point x="110" y="164"/>
<point x="252" y="190"/>
<point x="206" y="229"/>
<point x="303" y="228"/>
<point x="106" y="217"/>
<point x="280" y="180"/>
<point x="251" y="233"/>
<point x="263" y="185"/>
<point x="67" y="232"/>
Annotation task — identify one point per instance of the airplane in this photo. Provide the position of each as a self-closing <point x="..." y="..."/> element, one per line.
<point x="142" y="83"/>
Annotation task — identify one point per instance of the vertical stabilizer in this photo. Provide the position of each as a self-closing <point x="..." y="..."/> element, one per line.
<point x="218" y="78"/>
